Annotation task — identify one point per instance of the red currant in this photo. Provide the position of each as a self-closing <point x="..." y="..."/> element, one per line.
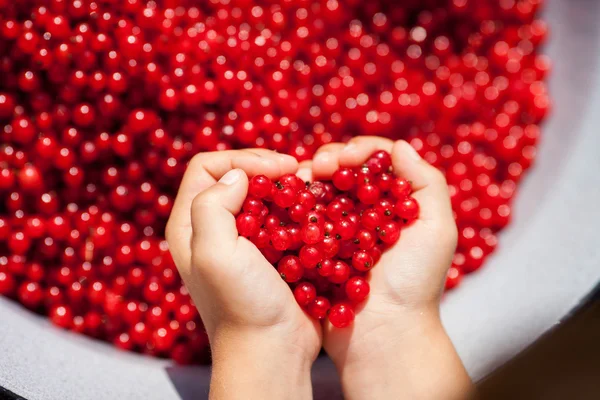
<point x="341" y="315"/>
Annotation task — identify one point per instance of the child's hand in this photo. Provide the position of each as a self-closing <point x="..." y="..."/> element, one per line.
<point x="261" y="340"/>
<point x="397" y="344"/>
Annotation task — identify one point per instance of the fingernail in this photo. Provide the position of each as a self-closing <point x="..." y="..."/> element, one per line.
<point x="284" y="157"/>
<point x="267" y="162"/>
<point x="322" y="157"/>
<point x="231" y="177"/>
<point x="350" y="147"/>
<point x="411" y="152"/>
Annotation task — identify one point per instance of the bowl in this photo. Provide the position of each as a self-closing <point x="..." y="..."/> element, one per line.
<point x="547" y="263"/>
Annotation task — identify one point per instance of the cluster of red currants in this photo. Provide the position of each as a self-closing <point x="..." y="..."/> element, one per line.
<point x="103" y="102"/>
<point x="325" y="236"/>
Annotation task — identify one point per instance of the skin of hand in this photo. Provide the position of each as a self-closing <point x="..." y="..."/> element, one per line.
<point x="397" y="347"/>
<point x="262" y="343"/>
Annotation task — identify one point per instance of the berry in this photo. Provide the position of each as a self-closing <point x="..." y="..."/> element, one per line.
<point x="362" y="260"/>
<point x="389" y="233"/>
<point x="368" y="193"/>
<point x="371" y="219"/>
<point x="261" y="239"/>
<point x="329" y="246"/>
<point x="365" y="239"/>
<point x="319" y="307"/>
<point x="343" y="179"/>
<point x="311" y="234"/>
<point x="163" y="338"/>
<point x="260" y="186"/>
<point x="280" y="239"/>
<point x="19" y="243"/>
<point x="247" y="225"/>
<point x="310" y="256"/>
<point x="407" y="209"/>
<point x="341" y="315"/>
<point x="290" y="268"/>
<point x="453" y="278"/>
<point x="326" y="267"/>
<point x="341" y="272"/>
<point x="357" y="289"/>
<point x="61" y="316"/>
<point x="305" y="293"/>
<point x="380" y="161"/>
<point x="7" y="283"/>
<point x="400" y="188"/>
<point x="30" y="294"/>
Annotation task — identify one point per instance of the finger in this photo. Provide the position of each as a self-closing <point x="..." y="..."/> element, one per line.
<point x="206" y="168"/>
<point x="359" y="149"/>
<point x="429" y="185"/>
<point x="214" y="233"/>
<point x="287" y="163"/>
<point x="326" y="160"/>
<point x="252" y="161"/>
<point x="305" y="171"/>
<point x="202" y="172"/>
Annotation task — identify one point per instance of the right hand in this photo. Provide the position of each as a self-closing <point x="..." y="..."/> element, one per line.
<point x="397" y="328"/>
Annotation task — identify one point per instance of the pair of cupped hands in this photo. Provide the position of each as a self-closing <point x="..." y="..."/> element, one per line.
<point x="263" y="344"/>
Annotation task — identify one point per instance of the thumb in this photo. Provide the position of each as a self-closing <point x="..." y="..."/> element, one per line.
<point x="429" y="184"/>
<point x="213" y="219"/>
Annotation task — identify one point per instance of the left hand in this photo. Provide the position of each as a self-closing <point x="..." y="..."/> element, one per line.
<point x="261" y="340"/>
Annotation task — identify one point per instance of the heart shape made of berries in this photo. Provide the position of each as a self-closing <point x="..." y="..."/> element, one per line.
<point x="320" y="234"/>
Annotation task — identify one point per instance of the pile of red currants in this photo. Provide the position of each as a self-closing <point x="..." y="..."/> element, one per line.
<point x="328" y="233"/>
<point x="103" y="102"/>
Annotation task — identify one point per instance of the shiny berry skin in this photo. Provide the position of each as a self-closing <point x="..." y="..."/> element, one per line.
<point x="319" y="308"/>
<point x="368" y="193"/>
<point x="280" y="239"/>
<point x="357" y="289"/>
<point x="283" y="196"/>
<point x="344" y="179"/>
<point x="365" y="239"/>
<point x="261" y="239"/>
<point x="371" y="219"/>
<point x="329" y="246"/>
<point x="305" y="293"/>
<point x="163" y="338"/>
<point x="123" y="341"/>
<point x="30" y="294"/>
<point x="345" y="228"/>
<point x="400" y="188"/>
<point x="341" y="315"/>
<point x="19" y="243"/>
<point x="389" y="232"/>
<point x="453" y="278"/>
<point x="260" y="186"/>
<point x="247" y="225"/>
<point x="29" y="179"/>
<point x="407" y="209"/>
<point x="61" y="316"/>
<point x="341" y="272"/>
<point x="310" y="256"/>
<point x="325" y="267"/>
<point x="297" y="212"/>
<point x="380" y="161"/>
<point x="290" y="268"/>
<point x="7" y="283"/>
<point x="312" y="234"/>
<point x="362" y="260"/>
